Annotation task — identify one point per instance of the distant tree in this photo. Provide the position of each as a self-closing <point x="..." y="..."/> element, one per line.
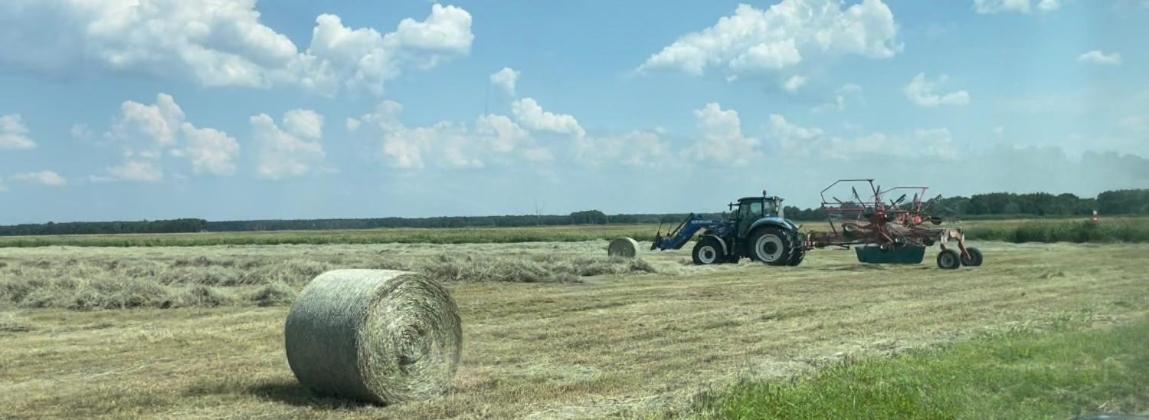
<point x="1124" y="202"/>
<point x="86" y="228"/>
<point x="791" y="212"/>
<point x="588" y="217"/>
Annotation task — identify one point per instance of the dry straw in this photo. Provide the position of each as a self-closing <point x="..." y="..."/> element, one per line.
<point x="379" y="336"/>
<point x="622" y="247"/>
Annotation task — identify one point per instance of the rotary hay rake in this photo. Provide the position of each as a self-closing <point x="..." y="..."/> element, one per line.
<point x="893" y="232"/>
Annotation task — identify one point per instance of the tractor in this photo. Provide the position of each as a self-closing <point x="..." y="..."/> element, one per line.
<point x="755" y="228"/>
<point x="880" y="232"/>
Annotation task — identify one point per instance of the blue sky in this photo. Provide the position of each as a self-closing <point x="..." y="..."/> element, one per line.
<point x="127" y="110"/>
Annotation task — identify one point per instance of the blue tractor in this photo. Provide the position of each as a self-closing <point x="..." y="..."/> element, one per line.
<point x="755" y="228"/>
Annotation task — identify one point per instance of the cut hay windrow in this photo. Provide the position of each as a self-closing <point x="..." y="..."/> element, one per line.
<point x="378" y="336"/>
<point x="622" y="247"/>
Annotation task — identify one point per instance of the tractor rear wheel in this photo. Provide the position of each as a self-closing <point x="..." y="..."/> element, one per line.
<point x="974" y="259"/>
<point x="949" y="259"/>
<point x="708" y="251"/>
<point x="772" y="246"/>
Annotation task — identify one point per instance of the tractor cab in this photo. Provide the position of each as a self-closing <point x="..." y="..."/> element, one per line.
<point x="750" y="209"/>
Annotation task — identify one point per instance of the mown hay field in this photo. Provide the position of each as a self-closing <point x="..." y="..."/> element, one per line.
<point x="359" y="236"/>
<point x="551" y="329"/>
<point x="1078" y="230"/>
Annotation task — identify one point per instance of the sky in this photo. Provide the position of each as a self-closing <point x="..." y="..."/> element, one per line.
<point x="229" y="110"/>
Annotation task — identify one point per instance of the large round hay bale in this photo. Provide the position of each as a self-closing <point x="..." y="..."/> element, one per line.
<point x="379" y="336"/>
<point x="622" y="247"/>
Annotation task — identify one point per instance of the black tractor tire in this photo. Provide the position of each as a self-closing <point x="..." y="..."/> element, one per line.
<point x="949" y="260"/>
<point x="708" y="251"/>
<point x="772" y="246"/>
<point x="975" y="258"/>
<point x="797" y="256"/>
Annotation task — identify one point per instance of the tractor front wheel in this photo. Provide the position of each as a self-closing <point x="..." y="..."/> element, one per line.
<point x="772" y="246"/>
<point x="798" y="255"/>
<point x="708" y="251"/>
<point x="949" y="260"/>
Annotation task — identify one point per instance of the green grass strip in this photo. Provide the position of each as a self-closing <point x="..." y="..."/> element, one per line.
<point x="1015" y="376"/>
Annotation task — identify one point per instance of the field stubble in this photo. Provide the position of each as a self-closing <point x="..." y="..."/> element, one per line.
<point x="619" y="342"/>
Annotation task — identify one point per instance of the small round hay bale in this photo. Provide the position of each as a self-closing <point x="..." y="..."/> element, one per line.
<point x="379" y="336"/>
<point x="622" y="247"/>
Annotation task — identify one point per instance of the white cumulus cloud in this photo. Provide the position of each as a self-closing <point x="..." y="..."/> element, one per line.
<point x="505" y="80"/>
<point x="364" y="58"/>
<point x="45" y="178"/>
<point x="843" y="96"/>
<point x="504" y="134"/>
<point x="923" y="92"/>
<point x="815" y="143"/>
<point x="14" y="134"/>
<point x="147" y="133"/>
<point x="1100" y="57"/>
<point x="794" y="83"/>
<point x="1015" y="6"/>
<point x="159" y="123"/>
<point x="636" y="148"/>
<point x="294" y="150"/>
<point x="722" y="138"/>
<point x="531" y="115"/>
<point x="492" y="140"/>
<point x="220" y="43"/>
<point x="447" y="144"/>
<point x="80" y="132"/>
<point x="135" y="171"/>
<point x="783" y="36"/>
<point x="210" y="151"/>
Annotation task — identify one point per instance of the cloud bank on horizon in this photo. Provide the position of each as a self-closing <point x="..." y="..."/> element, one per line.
<point x="121" y="109"/>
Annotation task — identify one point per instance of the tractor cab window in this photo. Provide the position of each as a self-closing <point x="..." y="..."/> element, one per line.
<point x="769" y="208"/>
<point x="756" y="209"/>
<point x="750" y="210"/>
<point x="748" y="213"/>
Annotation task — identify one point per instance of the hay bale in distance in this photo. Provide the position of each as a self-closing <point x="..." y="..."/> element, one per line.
<point x="622" y="247"/>
<point x="379" y="336"/>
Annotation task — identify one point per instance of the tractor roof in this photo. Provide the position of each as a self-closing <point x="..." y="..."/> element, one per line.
<point x="772" y="197"/>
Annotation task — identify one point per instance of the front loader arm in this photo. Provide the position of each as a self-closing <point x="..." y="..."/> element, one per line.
<point x="682" y="234"/>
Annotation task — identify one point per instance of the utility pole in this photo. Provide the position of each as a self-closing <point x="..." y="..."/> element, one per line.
<point x="538" y="213"/>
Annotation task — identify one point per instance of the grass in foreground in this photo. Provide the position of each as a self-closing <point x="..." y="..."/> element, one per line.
<point x="1007" y="375"/>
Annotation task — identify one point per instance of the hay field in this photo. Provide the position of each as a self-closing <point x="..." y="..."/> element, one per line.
<point x="1079" y="229"/>
<point x="351" y="236"/>
<point x="550" y="329"/>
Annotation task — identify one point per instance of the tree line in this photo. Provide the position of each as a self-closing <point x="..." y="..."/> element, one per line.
<point x="106" y="228"/>
<point x="993" y="205"/>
